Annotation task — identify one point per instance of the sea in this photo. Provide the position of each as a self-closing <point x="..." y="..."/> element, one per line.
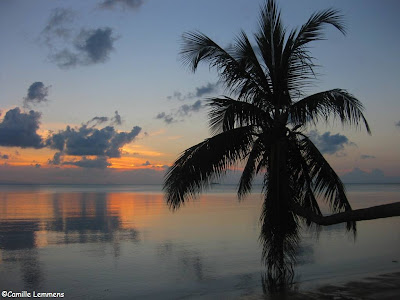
<point x="124" y="242"/>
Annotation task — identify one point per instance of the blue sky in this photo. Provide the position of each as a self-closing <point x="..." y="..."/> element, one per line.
<point x="94" y="58"/>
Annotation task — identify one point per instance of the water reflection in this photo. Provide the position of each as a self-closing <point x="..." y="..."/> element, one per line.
<point x="280" y="280"/>
<point x="15" y="235"/>
<point x="19" y="238"/>
<point x="191" y="262"/>
<point x="82" y="218"/>
<point x="32" y="221"/>
<point x="114" y="244"/>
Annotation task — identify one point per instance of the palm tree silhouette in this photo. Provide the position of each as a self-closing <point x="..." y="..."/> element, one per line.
<point x="263" y="122"/>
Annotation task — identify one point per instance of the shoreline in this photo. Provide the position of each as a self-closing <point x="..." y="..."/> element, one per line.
<point x="384" y="286"/>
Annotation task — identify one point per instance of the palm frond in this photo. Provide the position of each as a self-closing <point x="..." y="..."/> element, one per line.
<point x="334" y="103"/>
<point x="198" y="47"/>
<point x="244" y="53"/>
<point x="270" y="40"/>
<point x="300" y="173"/>
<point x="252" y="167"/>
<point x="227" y="113"/>
<point x="205" y="162"/>
<point x="312" y="29"/>
<point x="298" y="65"/>
<point x="325" y="180"/>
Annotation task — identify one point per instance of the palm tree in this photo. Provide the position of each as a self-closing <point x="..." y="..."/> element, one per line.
<point x="262" y="123"/>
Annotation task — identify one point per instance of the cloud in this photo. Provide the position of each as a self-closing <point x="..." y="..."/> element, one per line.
<point x="65" y="59"/>
<point x="120" y="139"/>
<point x="116" y="119"/>
<point x="70" y="47"/>
<point x="4" y="156"/>
<point x="147" y="163"/>
<point x="89" y="47"/>
<point x="86" y="140"/>
<point x="96" y="44"/>
<point x="177" y="95"/>
<point x="209" y="88"/>
<point x="97" y="120"/>
<point x="183" y="111"/>
<point x="57" y="26"/>
<point x="19" y="129"/>
<point x="57" y="158"/>
<point x="124" y="4"/>
<point x="398" y="124"/>
<point x="327" y="143"/>
<point x="37" y="93"/>
<point x="30" y="174"/>
<point x="375" y="176"/>
<point x="167" y="118"/>
<point x="97" y="163"/>
<point x="365" y="156"/>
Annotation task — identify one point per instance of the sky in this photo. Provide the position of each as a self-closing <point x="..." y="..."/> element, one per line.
<point x="95" y="91"/>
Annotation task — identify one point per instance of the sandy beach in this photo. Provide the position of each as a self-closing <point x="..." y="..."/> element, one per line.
<point x="382" y="287"/>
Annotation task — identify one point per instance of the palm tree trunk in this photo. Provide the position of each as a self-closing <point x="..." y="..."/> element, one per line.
<point x="370" y="213"/>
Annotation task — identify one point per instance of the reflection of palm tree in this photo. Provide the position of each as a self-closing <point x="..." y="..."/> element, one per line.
<point x="263" y="123"/>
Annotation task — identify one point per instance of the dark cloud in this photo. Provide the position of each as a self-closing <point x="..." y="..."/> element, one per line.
<point x="147" y="163"/>
<point x="70" y="47"/>
<point x="57" y="158"/>
<point x="65" y="59"/>
<point x="38" y="165"/>
<point x="89" y="47"/>
<point x="183" y="111"/>
<point x="91" y="141"/>
<point x="166" y="118"/>
<point x="97" y="120"/>
<point x="37" y="93"/>
<point x="95" y="44"/>
<point x="327" y="143"/>
<point x="365" y="156"/>
<point x="116" y="119"/>
<point x="19" y="129"/>
<point x="375" y="176"/>
<point x="124" y="4"/>
<point x="57" y="25"/>
<point x="97" y="163"/>
<point x="4" y="156"/>
<point x="119" y="140"/>
<point x="186" y="109"/>
<point x="209" y="88"/>
<point x="398" y="124"/>
<point x="177" y="95"/>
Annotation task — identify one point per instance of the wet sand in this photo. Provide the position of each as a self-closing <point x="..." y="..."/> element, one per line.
<point x="382" y="287"/>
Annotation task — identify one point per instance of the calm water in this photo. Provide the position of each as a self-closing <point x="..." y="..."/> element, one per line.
<point x="104" y="242"/>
